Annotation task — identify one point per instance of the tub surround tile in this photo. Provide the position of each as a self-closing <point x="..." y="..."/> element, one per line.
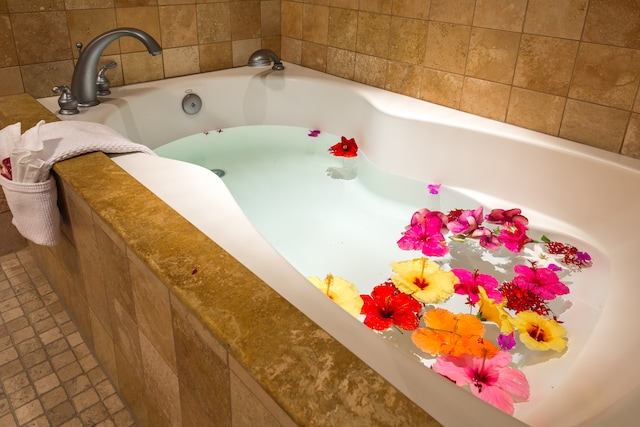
<point x="89" y="4"/>
<point x="370" y="70"/>
<point x="245" y="20"/>
<point x="132" y="388"/>
<point x="40" y="78"/>
<point x="8" y="54"/>
<point x="441" y="87"/>
<point x="452" y="11"/>
<point x="219" y="15"/>
<point x="23" y="108"/>
<point x="404" y="79"/>
<point x="85" y="25"/>
<point x="485" y="98"/>
<point x="378" y="6"/>
<point x="313" y="56"/>
<point x="596" y="125"/>
<point x="606" y="75"/>
<point x="270" y="18"/>
<point x="631" y="144"/>
<point x="411" y="8"/>
<point x="141" y="67"/>
<point x="215" y="56"/>
<point x="30" y="26"/>
<point x="181" y="61"/>
<point x="291" y="13"/>
<point x="500" y="14"/>
<point x="341" y="62"/>
<point x="373" y="34"/>
<point x="613" y="22"/>
<point x="178" y="26"/>
<point x="407" y="40"/>
<point x="447" y="47"/>
<point x="342" y="26"/>
<point x="16" y="6"/>
<point x="242" y="50"/>
<point x="534" y="110"/>
<point x="3" y="6"/>
<point x="492" y="54"/>
<point x="143" y="18"/>
<point x="556" y="18"/>
<point x="315" y="23"/>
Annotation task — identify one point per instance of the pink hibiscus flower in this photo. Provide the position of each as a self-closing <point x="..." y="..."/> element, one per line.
<point x="466" y="222"/>
<point x="501" y="216"/>
<point x="487" y="239"/>
<point x="541" y="281"/>
<point x="469" y="282"/>
<point x="489" y="379"/>
<point x="514" y="236"/>
<point x="426" y="237"/>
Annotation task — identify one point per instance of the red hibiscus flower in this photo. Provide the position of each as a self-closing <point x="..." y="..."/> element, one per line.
<point x="387" y="306"/>
<point x="345" y="148"/>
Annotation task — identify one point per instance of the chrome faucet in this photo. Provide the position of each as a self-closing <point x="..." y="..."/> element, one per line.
<point x="263" y="58"/>
<point x="83" y="83"/>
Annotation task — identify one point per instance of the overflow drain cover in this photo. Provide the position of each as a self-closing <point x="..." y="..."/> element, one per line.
<point x="191" y="104"/>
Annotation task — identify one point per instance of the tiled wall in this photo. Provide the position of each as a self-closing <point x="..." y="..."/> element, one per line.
<point x="563" y="67"/>
<point x="38" y="38"/>
<point x="168" y="367"/>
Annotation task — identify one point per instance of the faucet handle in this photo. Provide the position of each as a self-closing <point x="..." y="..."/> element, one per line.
<point x="79" y="47"/>
<point x="67" y="102"/>
<point x="102" y="82"/>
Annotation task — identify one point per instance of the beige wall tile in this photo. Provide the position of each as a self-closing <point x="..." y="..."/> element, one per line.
<point x="403" y="78"/>
<point x="242" y="50"/>
<point x="28" y="27"/>
<point x="38" y="79"/>
<point x="132" y="388"/>
<point x="178" y="26"/>
<point x="345" y="4"/>
<point x="143" y="18"/>
<point x="535" y="110"/>
<point x="441" y="87"/>
<point x="89" y="4"/>
<point x="411" y="8"/>
<point x="370" y="70"/>
<point x="631" y="144"/>
<point x="16" y="6"/>
<point x="594" y="125"/>
<point x="181" y="61"/>
<point x="315" y="24"/>
<point x="556" y="18"/>
<point x="213" y="22"/>
<point x="341" y="63"/>
<point x="452" y="11"/>
<point x="342" y="27"/>
<point x="291" y="19"/>
<point x="545" y="64"/>
<point x="291" y="50"/>
<point x="314" y="56"/>
<point x="606" y="75"/>
<point x="161" y="383"/>
<point x="215" y="56"/>
<point x="245" y="20"/>
<point x="141" y="67"/>
<point x="103" y="348"/>
<point x="500" y="14"/>
<point x="492" y="54"/>
<point x="613" y="22"/>
<point x="153" y="309"/>
<point x="85" y="25"/>
<point x="373" y="34"/>
<point x="447" y="47"/>
<point x="247" y="410"/>
<point x="202" y="364"/>
<point x="3" y="6"/>
<point x="8" y="54"/>
<point x="126" y="337"/>
<point x="408" y="40"/>
<point x="270" y="18"/>
<point x="193" y="415"/>
<point x="10" y="81"/>
<point x="484" y="98"/>
<point x="378" y="6"/>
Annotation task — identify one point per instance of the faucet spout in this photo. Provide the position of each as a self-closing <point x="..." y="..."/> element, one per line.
<point x="83" y="83"/>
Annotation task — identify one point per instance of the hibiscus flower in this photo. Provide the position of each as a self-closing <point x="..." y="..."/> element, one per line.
<point x="492" y="380"/>
<point x="387" y="306"/>
<point x="424" y="280"/>
<point x="341" y="291"/>
<point x="493" y="310"/>
<point x="426" y="237"/>
<point x="540" y="333"/>
<point x="345" y="148"/>
<point x="466" y="222"/>
<point x="501" y="216"/>
<point x="540" y="280"/>
<point x="470" y="282"/>
<point x="513" y="236"/>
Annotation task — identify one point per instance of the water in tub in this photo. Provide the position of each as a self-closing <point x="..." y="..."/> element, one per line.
<point x="328" y="214"/>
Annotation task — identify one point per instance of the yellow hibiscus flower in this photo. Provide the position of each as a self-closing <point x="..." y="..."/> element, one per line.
<point x="540" y="333"/>
<point x="341" y="291"/>
<point x="493" y="311"/>
<point x="423" y="279"/>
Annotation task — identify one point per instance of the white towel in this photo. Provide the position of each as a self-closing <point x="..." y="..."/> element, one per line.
<point x="34" y="204"/>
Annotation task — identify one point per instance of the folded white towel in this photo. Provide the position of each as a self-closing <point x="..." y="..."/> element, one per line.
<point x="34" y="203"/>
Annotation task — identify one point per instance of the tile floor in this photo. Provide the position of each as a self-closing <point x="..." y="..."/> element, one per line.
<point x="48" y="375"/>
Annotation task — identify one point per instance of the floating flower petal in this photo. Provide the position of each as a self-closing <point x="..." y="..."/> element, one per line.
<point x="434" y="188"/>
<point x="492" y="380"/>
<point x="424" y="280"/>
<point x="541" y="281"/>
<point x="492" y="310"/>
<point x="514" y="236"/>
<point x="471" y="281"/>
<point x="426" y="237"/>
<point x="455" y="334"/>
<point x="345" y="148"/>
<point x="540" y="333"/>
<point x="387" y="306"/>
<point x="341" y="291"/>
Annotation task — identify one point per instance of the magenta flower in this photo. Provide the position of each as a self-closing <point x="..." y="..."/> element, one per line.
<point x="426" y="237"/>
<point x="489" y="379"/>
<point x="514" y="236"/>
<point x="539" y="280"/>
<point x="434" y="188"/>
<point x="488" y="240"/>
<point x="501" y="216"/>
<point x="423" y="215"/>
<point x="507" y="341"/>
<point x="466" y="222"/>
<point x="469" y="283"/>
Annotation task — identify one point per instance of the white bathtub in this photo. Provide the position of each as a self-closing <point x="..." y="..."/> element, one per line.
<point x="583" y="192"/>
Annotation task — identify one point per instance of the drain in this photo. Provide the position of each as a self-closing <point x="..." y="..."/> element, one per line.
<point x="219" y="172"/>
